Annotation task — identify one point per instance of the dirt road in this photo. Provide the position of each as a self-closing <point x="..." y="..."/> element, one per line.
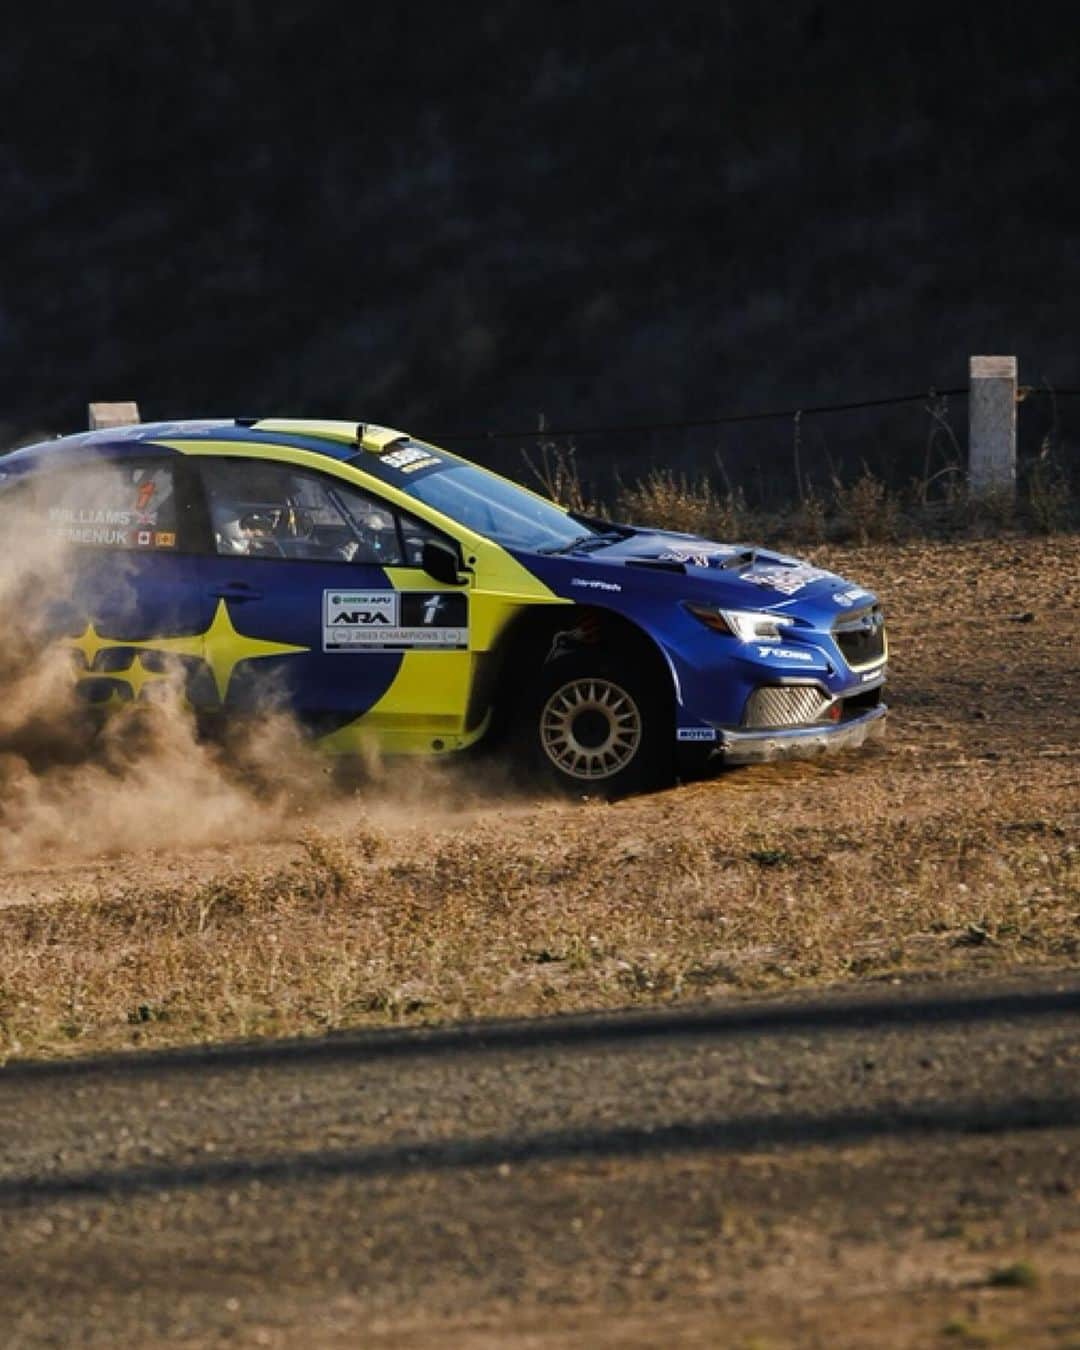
<point x="893" y="1169"/>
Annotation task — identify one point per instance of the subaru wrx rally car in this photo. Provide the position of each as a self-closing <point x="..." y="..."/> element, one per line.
<point x="394" y="594"/>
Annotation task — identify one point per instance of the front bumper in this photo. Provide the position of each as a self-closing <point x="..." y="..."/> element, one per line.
<point x="752" y="747"/>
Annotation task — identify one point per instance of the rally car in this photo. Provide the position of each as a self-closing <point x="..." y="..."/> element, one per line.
<point x="390" y="593"/>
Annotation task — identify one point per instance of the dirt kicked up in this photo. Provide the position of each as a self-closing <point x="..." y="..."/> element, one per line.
<point x="166" y="896"/>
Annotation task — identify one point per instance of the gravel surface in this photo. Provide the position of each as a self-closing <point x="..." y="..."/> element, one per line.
<point x="793" y="1169"/>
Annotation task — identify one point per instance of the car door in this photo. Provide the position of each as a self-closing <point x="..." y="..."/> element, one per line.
<point x="321" y="608"/>
<point x="115" y="572"/>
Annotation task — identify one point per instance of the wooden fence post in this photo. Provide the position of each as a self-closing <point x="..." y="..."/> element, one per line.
<point x="103" y="415"/>
<point x="992" y="426"/>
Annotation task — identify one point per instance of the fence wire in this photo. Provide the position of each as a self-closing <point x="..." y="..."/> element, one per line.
<point x="910" y="442"/>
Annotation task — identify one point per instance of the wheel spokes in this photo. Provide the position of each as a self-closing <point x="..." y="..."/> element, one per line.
<point x="590" y="728"/>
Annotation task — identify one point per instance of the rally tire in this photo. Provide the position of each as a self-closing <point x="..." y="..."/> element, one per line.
<point x="596" y="727"/>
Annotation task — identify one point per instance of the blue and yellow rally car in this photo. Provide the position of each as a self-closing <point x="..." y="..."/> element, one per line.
<point x="393" y="594"/>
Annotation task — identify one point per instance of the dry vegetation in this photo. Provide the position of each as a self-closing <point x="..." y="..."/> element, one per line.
<point x="950" y="848"/>
<point x="862" y="509"/>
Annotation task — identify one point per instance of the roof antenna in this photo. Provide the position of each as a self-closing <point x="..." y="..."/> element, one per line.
<point x="104" y="416"/>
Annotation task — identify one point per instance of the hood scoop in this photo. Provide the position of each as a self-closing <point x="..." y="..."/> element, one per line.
<point x="689" y="552"/>
<point x="657" y="564"/>
<point x="745" y="557"/>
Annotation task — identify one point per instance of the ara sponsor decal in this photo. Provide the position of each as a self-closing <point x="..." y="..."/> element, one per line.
<point x="787" y="580"/>
<point x="409" y="458"/>
<point x="595" y="585"/>
<point x="847" y="598"/>
<point x="696" y="734"/>
<point x="365" y="621"/>
<point x="786" y="653"/>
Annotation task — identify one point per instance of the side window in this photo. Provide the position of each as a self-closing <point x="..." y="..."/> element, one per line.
<point x="263" y="509"/>
<point x="104" y="504"/>
<point x="414" y="534"/>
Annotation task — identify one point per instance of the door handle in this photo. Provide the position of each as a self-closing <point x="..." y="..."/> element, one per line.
<point x="235" y="590"/>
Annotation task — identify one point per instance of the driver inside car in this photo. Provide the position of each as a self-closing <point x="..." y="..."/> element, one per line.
<point x="240" y="530"/>
<point x="270" y="530"/>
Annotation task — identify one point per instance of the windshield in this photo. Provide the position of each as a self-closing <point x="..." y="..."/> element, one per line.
<point x="498" y="509"/>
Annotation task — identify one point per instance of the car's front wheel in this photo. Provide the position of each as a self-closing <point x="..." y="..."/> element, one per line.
<point x="594" y="727"/>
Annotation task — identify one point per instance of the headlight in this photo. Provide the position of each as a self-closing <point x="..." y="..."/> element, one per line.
<point x="748" y="625"/>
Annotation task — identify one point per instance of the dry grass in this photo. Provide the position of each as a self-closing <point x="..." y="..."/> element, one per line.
<point x="866" y="510"/>
<point x="953" y="848"/>
<point x="674" y="502"/>
<point x="564" y="916"/>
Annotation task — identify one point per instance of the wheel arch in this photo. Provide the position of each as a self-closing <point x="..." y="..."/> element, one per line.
<point x="528" y="644"/>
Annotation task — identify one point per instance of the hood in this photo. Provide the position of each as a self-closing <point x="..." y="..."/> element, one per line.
<point x="771" y="577"/>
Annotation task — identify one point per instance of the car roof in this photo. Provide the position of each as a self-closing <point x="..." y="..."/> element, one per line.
<point x="338" y="440"/>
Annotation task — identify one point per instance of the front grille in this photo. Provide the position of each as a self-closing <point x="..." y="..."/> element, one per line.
<point x="861" y="636"/>
<point x="790" y="706"/>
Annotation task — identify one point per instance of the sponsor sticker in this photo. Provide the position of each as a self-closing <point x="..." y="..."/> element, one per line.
<point x="787" y="580"/>
<point x="786" y="653"/>
<point x="696" y="734"/>
<point x="848" y="598"/>
<point x="164" y="539"/>
<point x="595" y="585"/>
<point x="409" y="458"/>
<point x="365" y="621"/>
<point x="144" y="538"/>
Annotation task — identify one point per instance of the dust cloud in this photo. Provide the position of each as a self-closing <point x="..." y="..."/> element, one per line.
<point x="75" y="782"/>
<point x="144" y="777"/>
<point x="80" y="780"/>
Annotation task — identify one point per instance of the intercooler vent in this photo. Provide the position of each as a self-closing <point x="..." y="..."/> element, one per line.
<point x="791" y="706"/>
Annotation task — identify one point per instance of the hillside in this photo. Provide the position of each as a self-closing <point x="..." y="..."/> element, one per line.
<point x="602" y="214"/>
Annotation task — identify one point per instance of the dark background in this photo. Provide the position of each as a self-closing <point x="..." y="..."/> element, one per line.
<point x="457" y="219"/>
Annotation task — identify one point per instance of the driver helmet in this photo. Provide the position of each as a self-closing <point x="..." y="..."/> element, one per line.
<point x="229" y="535"/>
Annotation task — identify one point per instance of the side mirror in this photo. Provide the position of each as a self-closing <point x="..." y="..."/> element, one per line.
<point x="442" y="562"/>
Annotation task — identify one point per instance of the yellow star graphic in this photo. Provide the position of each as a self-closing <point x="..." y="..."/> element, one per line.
<point x="222" y="647"/>
<point x="226" y="648"/>
<point x="90" y="642"/>
<point x="137" y="676"/>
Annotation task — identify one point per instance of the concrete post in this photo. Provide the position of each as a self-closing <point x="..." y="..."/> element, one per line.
<point x="992" y="426"/>
<point x="104" y="415"/>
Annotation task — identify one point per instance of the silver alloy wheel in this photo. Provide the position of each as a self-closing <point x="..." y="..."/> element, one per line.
<point x="590" y="729"/>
